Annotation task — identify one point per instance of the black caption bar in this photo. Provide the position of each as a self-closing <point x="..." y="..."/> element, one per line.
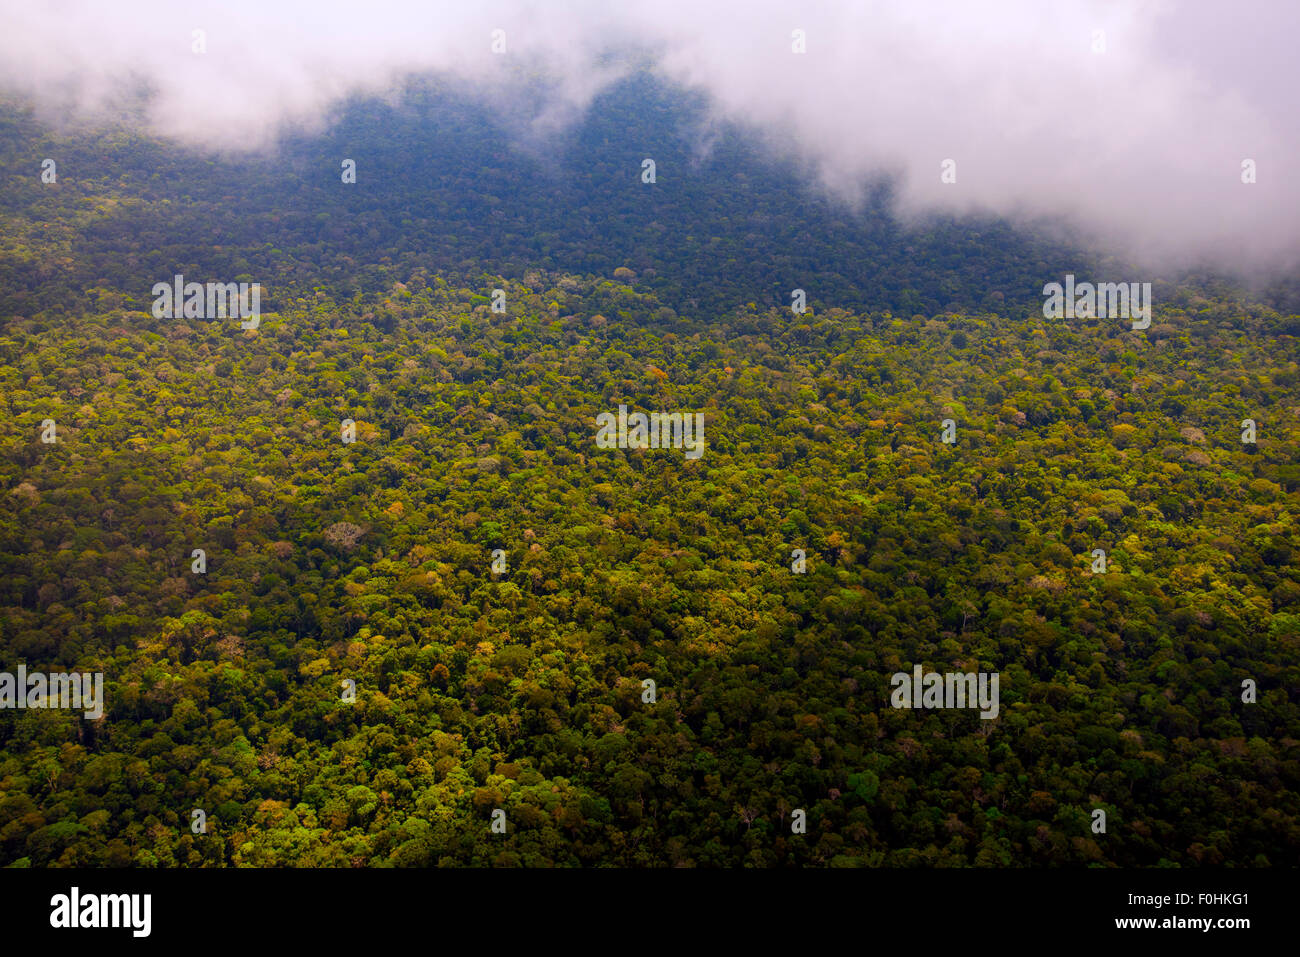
<point x="144" y="908"/>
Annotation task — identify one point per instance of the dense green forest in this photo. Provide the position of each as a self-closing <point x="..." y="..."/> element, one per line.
<point x="522" y="690"/>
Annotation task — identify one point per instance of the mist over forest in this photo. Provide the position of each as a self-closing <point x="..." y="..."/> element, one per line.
<point x="602" y="441"/>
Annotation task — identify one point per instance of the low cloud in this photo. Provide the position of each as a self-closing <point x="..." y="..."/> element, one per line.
<point x="1130" y="121"/>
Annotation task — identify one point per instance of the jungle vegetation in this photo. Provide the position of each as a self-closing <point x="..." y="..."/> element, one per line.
<point x="522" y="690"/>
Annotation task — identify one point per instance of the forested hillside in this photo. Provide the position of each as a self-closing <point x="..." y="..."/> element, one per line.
<point x="522" y="690"/>
<point x="445" y="182"/>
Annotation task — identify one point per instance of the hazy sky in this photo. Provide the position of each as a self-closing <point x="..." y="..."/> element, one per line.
<point x="1137" y="133"/>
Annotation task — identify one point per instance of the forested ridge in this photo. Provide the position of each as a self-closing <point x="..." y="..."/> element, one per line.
<point x="522" y="690"/>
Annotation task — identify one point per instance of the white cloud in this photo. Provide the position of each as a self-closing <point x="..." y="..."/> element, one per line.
<point x="1141" y="144"/>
